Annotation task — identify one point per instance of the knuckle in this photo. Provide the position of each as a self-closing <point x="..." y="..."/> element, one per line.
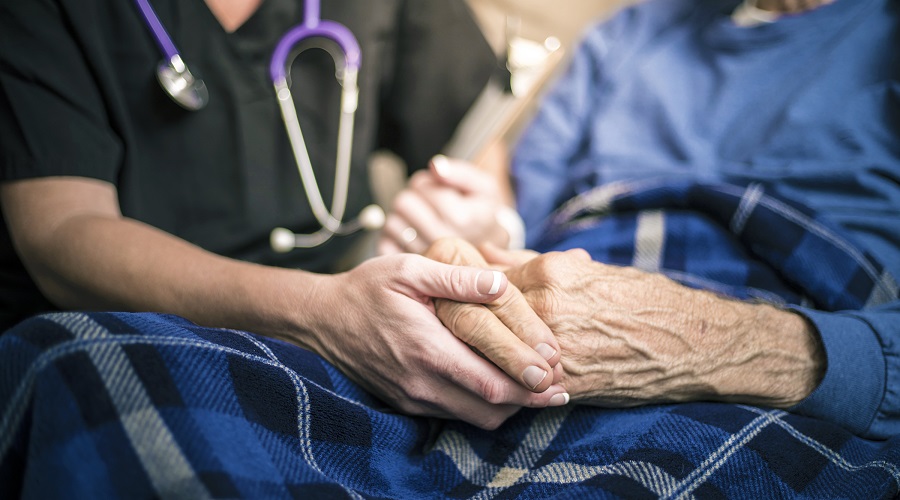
<point x="443" y="250"/>
<point x="544" y="303"/>
<point x="417" y="395"/>
<point x="406" y="397"/>
<point x="494" y="390"/>
<point x="543" y="265"/>
<point x="452" y="314"/>
<point x="491" y="422"/>
<point x="555" y="261"/>
<point x="505" y="305"/>
<point x="420" y="178"/>
<point x="405" y="201"/>
<point x="458" y="282"/>
<point x="475" y="321"/>
<point x="407" y="267"/>
<point x="579" y="254"/>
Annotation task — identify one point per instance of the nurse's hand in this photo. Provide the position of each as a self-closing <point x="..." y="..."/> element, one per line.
<point x="453" y="198"/>
<point x="504" y="330"/>
<point x="377" y="324"/>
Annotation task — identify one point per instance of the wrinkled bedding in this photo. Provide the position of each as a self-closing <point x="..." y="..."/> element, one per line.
<point x="106" y="405"/>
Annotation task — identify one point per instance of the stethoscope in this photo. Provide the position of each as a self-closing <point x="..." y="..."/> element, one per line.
<point x="191" y="94"/>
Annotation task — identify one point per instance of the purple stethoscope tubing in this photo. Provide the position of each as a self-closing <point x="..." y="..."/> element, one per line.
<point x="372" y="217"/>
<point x="166" y="45"/>
<point x="314" y="27"/>
<point x="173" y="74"/>
<point x="191" y="93"/>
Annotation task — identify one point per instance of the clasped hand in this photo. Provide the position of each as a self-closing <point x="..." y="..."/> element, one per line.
<point x="377" y="324"/>
<point x="453" y="198"/>
<point x="629" y="338"/>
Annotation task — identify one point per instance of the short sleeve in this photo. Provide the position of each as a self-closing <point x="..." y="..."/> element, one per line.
<point x="53" y="119"/>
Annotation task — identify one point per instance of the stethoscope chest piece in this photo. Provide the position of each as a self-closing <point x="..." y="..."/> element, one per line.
<point x="174" y="76"/>
<point x="177" y="80"/>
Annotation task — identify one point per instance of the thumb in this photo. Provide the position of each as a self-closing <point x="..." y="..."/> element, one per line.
<point x="462" y="175"/>
<point x="458" y="283"/>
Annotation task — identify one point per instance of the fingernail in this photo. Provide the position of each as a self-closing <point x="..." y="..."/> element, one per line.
<point x="488" y="282"/>
<point x="534" y="376"/>
<point x="561" y="399"/>
<point x="545" y="351"/>
<point x="441" y="165"/>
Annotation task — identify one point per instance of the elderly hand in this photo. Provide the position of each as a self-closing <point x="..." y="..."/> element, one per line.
<point x="630" y="338"/>
<point x="377" y="324"/>
<point x="451" y="199"/>
<point x="505" y="330"/>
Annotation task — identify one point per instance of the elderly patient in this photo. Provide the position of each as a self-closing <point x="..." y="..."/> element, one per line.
<point x="746" y="151"/>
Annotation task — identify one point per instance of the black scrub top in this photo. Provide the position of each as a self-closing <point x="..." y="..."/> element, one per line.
<point x="79" y="97"/>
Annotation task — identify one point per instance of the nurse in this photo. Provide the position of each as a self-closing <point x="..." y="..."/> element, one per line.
<point x="114" y="197"/>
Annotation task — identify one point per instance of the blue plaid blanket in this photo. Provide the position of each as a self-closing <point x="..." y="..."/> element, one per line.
<point x="108" y="405"/>
<point x="739" y="241"/>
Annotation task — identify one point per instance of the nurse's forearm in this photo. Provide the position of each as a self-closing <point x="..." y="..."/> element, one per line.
<point x="84" y="255"/>
<point x="120" y="264"/>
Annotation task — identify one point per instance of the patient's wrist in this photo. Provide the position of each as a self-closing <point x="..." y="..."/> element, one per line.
<point x="782" y="361"/>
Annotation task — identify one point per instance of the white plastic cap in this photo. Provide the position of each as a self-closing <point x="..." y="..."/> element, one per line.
<point x="372" y="217"/>
<point x="282" y="240"/>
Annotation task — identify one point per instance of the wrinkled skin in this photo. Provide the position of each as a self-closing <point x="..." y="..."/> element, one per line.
<point x="630" y="338"/>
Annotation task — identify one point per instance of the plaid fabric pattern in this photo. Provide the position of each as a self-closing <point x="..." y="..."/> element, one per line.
<point x="144" y="405"/>
<point x="108" y="405"/>
<point x="740" y="241"/>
